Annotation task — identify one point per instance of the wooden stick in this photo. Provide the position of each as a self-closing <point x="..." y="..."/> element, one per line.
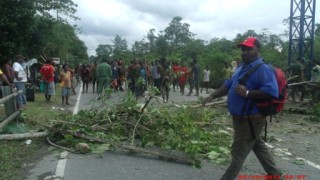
<point x="299" y="83"/>
<point x="23" y="135"/>
<point x="9" y="119"/>
<point x="314" y="84"/>
<point x="210" y="104"/>
<point x="293" y="77"/>
<point x="145" y="105"/>
<point x="44" y="59"/>
<point x="161" y="154"/>
<point x="44" y="54"/>
<point x="177" y="158"/>
<point x="61" y="147"/>
<point x="203" y="123"/>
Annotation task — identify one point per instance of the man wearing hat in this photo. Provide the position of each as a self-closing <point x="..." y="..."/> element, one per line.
<point x="248" y="123"/>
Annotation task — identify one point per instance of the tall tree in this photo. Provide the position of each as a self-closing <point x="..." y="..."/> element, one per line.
<point x="16" y="20"/>
<point x="140" y="48"/>
<point x="221" y="44"/>
<point x="65" y="8"/>
<point x="120" y="47"/>
<point x="177" y="33"/>
<point x="28" y="28"/>
<point x="152" y="40"/>
<point x="41" y="30"/>
<point x="104" y="51"/>
<point x="317" y="42"/>
<point x="194" y="48"/>
<point x="162" y="46"/>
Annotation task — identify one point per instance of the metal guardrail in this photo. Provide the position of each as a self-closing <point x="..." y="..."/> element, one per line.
<point x="16" y="112"/>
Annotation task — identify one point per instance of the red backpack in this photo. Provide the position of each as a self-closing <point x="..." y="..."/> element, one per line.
<point x="270" y="106"/>
<point x="275" y="105"/>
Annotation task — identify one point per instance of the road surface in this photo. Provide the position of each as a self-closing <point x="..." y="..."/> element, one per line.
<point x="122" y="166"/>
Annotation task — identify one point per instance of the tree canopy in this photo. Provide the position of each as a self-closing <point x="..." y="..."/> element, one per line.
<point x="39" y="28"/>
<point x="29" y="28"/>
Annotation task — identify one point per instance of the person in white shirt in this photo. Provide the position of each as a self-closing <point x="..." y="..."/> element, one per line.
<point x="20" y="78"/>
<point x="206" y="79"/>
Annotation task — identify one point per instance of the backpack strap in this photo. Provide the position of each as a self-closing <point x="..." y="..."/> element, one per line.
<point x="244" y="78"/>
<point x="265" y="129"/>
<point x="243" y="81"/>
<point x="250" y="122"/>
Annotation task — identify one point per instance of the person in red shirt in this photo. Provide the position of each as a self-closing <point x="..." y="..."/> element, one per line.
<point x="47" y="74"/>
<point x="183" y="73"/>
<point x="175" y="71"/>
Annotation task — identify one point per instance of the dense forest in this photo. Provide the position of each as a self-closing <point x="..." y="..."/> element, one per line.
<point x="36" y="29"/>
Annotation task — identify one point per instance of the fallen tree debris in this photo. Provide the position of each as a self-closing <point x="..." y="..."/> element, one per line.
<point x="177" y="133"/>
<point x="24" y="135"/>
<point x="211" y="104"/>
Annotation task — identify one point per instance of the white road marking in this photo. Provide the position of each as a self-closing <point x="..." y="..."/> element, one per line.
<point x="296" y="157"/>
<point x="61" y="166"/>
<point x="279" y="150"/>
<point x="76" y="106"/>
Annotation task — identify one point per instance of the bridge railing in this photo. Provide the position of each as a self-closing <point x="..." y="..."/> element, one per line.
<point x="10" y="109"/>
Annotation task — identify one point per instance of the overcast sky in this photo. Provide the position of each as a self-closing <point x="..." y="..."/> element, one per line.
<point x="101" y="20"/>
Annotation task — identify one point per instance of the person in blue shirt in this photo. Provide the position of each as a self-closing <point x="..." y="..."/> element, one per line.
<point x="248" y="123"/>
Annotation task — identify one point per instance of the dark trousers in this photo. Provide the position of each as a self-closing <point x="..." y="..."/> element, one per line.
<point x="244" y="142"/>
<point x="165" y="88"/>
<point x="196" y="85"/>
<point x="157" y="83"/>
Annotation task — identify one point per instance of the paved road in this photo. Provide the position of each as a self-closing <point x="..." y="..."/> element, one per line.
<point x="122" y="166"/>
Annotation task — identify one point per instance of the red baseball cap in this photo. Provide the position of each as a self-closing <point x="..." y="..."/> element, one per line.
<point x="250" y="42"/>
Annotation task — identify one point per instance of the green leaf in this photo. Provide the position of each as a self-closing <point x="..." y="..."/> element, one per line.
<point x="213" y="155"/>
<point x="149" y="144"/>
<point x="101" y="148"/>
<point x="220" y="160"/>
<point x="299" y="162"/>
<point x="224" y="150"/>
<point x="221" y="131"/>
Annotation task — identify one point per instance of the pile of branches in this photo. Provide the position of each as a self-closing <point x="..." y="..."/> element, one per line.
<point x="183" y="134"/>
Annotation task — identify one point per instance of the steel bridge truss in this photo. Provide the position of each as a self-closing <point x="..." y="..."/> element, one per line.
<point x="301" y="35"/>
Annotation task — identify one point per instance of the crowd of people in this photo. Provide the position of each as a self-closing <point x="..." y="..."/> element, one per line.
<point x="138" y="76"/>
<point x="304" y="78"/>
<point x="14" y="75"/>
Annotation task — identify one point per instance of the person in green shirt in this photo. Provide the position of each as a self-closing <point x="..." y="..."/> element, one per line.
<point x="104" y="74"/>
<point x="297" y="69"/>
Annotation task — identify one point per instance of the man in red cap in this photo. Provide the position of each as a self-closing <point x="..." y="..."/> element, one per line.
<point x="248" y="123"/>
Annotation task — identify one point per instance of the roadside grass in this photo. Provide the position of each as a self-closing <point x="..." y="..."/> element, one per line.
<point x="16" y="155"/>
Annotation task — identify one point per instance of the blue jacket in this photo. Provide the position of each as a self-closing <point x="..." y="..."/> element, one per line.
<point x="262" y="79"/>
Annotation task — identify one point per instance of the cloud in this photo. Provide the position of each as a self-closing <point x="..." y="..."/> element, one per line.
<point x="102" y="20"/>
